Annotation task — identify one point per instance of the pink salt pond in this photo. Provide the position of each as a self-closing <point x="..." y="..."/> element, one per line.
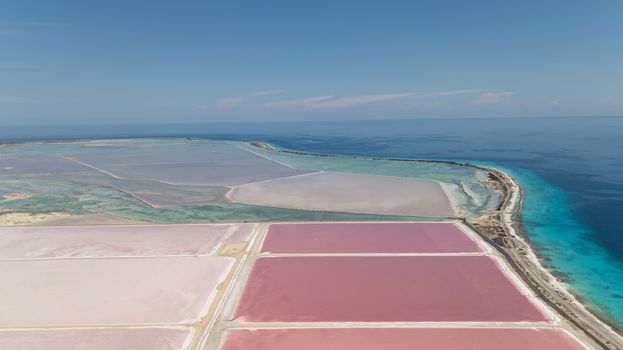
<point x="349" y="193"/>
<point x="368" y="238"/>
<point x="400" y="339"/>
<point x="382" y="289"/>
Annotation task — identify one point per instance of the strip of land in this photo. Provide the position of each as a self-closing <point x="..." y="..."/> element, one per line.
<point x="503" y="229"/>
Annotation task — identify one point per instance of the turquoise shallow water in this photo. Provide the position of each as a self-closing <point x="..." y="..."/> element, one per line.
<point x="54" y="184"/>
<point x="82" y="199"/>
<point x="565" y="244"/>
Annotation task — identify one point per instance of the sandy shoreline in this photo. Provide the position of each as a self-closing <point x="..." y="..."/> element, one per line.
<point x="8" y="218"/>
<point x="502" y="228"/>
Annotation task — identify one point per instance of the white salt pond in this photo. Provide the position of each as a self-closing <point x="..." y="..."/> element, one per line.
<point x="108" y="291"/>
<point x="94" y="339"/>
<point x="117" y="240"/>
<point x="353" y="193"/>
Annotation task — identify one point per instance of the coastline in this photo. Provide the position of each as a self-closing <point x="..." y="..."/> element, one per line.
<point x="503" y="230"/>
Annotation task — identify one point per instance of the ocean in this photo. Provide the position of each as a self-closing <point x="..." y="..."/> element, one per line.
<point x="571" y="170"/>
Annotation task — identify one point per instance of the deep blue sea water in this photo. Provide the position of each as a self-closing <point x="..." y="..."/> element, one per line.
<point x="571" y="170"/>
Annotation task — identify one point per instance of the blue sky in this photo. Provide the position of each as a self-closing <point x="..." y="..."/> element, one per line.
<point x="162" y="61"/>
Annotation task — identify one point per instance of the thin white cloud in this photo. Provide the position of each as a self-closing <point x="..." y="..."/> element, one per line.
<point x="200" y="108"/>
<point x="493" y="98"/>
<point x="307" y="102"/>
<point x="265" y="93"/>
<point x="9" y="65"/>
<point x="350" y="101"/>
<point x="451" y="93"/>
<point x="11" y="99"/>
<point x="14" y="29"/>
<point x="45" y="24"/>
<point x="231" y="102"/>
<point x="32" y="24"/>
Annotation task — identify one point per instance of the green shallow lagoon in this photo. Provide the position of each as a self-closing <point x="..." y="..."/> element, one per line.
<point x="57" y="184"/>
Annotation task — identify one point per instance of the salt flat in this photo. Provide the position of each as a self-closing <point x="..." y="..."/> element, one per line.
<point x="108" y="291"/>
<point x="191" y="163"/>
<point x="94" y="339"/>
<point x="352" y="193"/>
<point x="116" y="240"/>
<point x="113" y="286"/>
<point x="14" y="166"/>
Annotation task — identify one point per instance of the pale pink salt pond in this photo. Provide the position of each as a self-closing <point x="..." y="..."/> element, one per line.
<point x="368" y="238"/>
<point x="350" y="193"/>
<point x="117" y="240"/>
<point x="382" y="289"/>
<point x="108" y="291"/>
<point x="94" y="339"/>
<point x="400" y="339"/>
